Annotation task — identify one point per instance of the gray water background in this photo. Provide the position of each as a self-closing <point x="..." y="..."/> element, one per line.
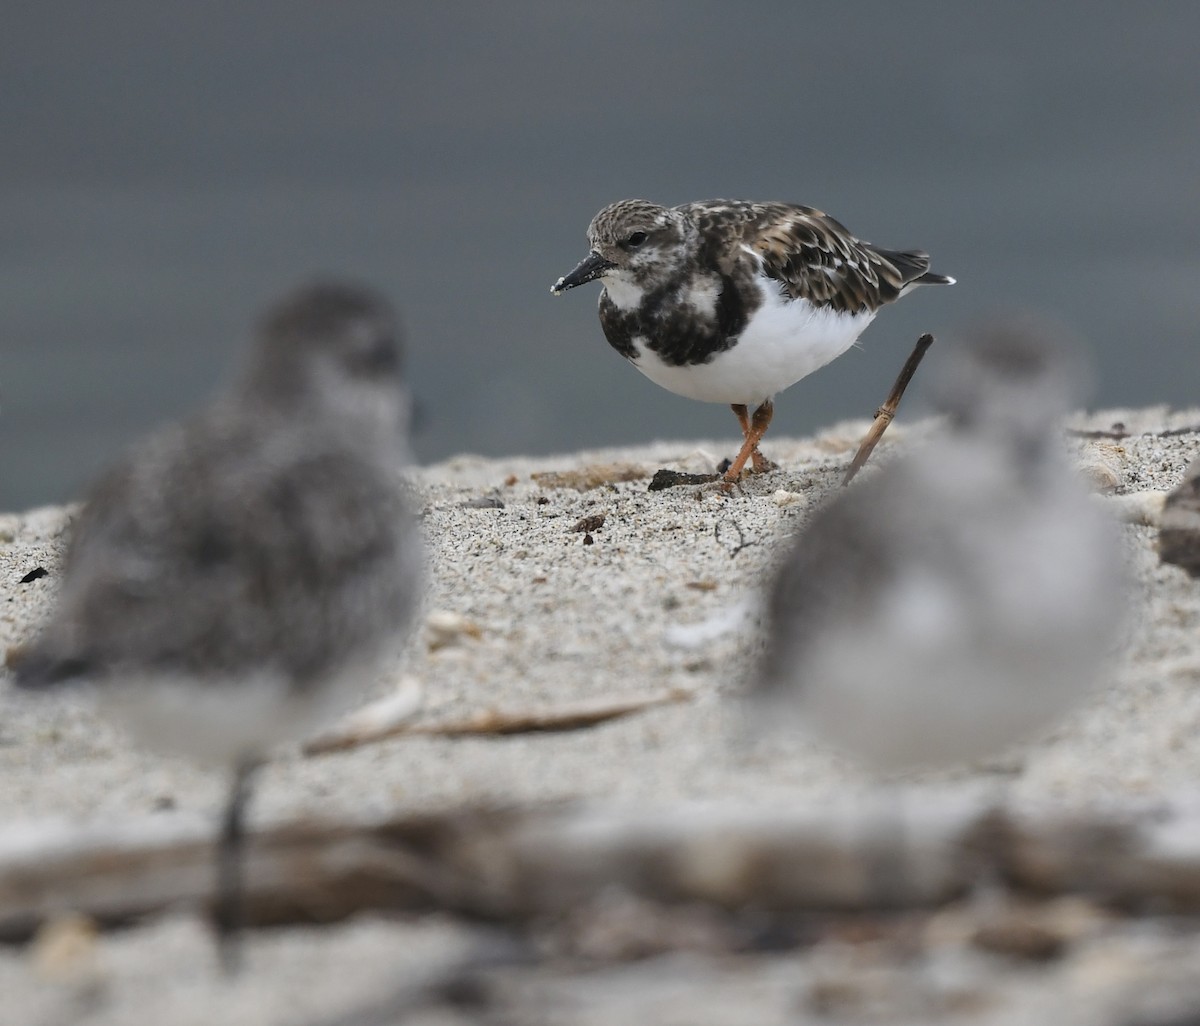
<point x="166" y="168"/>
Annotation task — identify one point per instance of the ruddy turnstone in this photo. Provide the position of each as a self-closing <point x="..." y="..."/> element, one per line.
<point x="728" y="301"/>
<point x="236" y="580"/>
<point x="962" y="596"/>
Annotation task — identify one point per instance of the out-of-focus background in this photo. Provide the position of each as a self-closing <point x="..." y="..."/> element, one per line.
<point x="168" y="168"/>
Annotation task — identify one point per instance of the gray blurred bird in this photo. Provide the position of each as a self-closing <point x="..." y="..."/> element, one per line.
<point x="964" y="595"/>
<point x="240" y="576"/>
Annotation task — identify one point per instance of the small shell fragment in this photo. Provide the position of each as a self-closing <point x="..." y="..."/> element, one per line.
<point x="783" y="498"/>
<point x="444" y="628"/>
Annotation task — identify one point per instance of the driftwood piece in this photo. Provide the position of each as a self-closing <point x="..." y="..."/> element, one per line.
<point x="514" y="865"/>
<point x="885" y="413"/>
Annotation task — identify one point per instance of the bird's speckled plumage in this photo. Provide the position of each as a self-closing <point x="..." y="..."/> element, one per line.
<point x="685" y="282"/>
<point x="729" y="301"/>
<point x="265" y="538"/>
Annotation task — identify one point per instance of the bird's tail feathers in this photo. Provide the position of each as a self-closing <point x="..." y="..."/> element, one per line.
<point x="913" y="265"/>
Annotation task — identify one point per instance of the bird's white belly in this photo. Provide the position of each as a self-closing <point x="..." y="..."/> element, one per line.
<point x="218" y="724"/>
<point x="786" y="340"/>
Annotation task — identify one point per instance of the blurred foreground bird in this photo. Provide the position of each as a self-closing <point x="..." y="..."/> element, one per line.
<point x="963" y="596"/>
<point x="239" y="577"/>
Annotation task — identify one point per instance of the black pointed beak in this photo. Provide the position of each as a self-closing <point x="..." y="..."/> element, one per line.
<point x="590" y="268"/>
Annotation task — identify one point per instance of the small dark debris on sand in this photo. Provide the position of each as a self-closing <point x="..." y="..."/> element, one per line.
<point x="664" y="479"/>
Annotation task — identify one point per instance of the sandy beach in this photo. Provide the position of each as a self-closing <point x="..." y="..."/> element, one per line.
<point x="534" y="601"/>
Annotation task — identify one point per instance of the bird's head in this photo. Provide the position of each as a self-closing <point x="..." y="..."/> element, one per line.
<point x="332" y="349"/>
<point x="634" y="241"/>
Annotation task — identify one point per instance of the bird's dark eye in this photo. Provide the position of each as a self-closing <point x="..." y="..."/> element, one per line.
<point x="635" y="240"/>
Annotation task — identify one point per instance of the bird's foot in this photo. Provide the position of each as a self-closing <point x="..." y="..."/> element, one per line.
<point x="760" y="464"/>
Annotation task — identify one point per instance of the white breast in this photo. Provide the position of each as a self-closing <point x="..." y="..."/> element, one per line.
<point x="623" y="294"/>
<point x="217" y="723"/>
<point x="786" y="340"/>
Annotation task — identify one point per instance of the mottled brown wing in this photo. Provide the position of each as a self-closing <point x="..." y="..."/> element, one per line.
<point x="815" y="258"/>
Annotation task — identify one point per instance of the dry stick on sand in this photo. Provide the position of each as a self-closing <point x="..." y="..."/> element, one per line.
<point x="885" y="413"/>
<point x="538" y="719"/>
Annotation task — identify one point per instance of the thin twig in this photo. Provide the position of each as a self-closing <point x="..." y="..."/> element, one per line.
<point x="885" y="413"/>
<point x="564" y="716"/>
<point x="741" y="537"/>
<point x="561" y="717"/>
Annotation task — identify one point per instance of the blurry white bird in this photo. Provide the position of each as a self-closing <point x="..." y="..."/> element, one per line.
<point x="236" y="580"/>
<point x="963" y="596"/>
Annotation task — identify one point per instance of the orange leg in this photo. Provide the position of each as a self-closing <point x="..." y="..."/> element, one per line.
<point x="743" y="416"/>
<point x="753" y="428"/>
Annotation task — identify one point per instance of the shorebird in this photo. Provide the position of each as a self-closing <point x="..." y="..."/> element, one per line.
<point x="238" y="578"/>
<point x="731" y="302"/>
<point x="961" y="597"/>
